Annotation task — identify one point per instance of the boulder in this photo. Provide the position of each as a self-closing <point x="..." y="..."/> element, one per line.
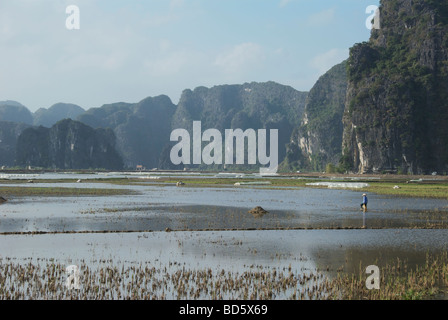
<point x="258" y="212"/>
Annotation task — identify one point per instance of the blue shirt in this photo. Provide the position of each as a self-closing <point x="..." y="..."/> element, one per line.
<point x="364" y="199"/>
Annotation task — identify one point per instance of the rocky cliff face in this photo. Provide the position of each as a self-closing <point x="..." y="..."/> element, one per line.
<point x="68" y="145"/>
<point x="249" y="106"/>
<point x="318" y="140"/>
<point x="9" y="133"/>
<point x="142" y="129"/>
<point x="396" y="114"/>
<point x="146" y="132"/>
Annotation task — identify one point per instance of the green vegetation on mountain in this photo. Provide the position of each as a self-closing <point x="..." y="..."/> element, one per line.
<point x="317" y="141"/>
<point x="396" y="116"/>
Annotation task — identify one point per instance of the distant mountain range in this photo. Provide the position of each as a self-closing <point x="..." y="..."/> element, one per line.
<point x="15" y="112"/>
<point x="142" y="130"/>
<point x="48" y="117"/>
<point x="385" y="109"/>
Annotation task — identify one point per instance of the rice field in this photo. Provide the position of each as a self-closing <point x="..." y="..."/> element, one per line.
<point x="148" y="239"/>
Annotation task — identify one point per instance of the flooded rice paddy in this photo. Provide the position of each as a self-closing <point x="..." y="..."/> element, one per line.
<point x="168" y="242"/>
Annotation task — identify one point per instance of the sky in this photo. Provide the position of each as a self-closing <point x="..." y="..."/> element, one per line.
<point x="127" y="50"/>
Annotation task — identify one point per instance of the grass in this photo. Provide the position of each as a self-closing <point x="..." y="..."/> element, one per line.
<point x="417" y="190"/>
<point x="59" y="191"/>
<point x="107" y="280"/>
<point x="424" y="282"/>
<point x="99" y="180"/>
<point x="424" y="189"/>
<point x="384" y="186"/>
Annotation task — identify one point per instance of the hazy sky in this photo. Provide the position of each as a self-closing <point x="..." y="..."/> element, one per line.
<point x="126" y="50"/>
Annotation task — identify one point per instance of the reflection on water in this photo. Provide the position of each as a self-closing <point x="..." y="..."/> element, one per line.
<point x="156" y="208"/>
<point x="235" y="250"/>
<point x="247" y="242"/>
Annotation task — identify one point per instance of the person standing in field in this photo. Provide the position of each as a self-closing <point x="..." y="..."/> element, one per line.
<point x="364" y="202"/>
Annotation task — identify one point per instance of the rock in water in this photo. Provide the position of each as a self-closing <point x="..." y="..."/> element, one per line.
<point x="258" y="212"/>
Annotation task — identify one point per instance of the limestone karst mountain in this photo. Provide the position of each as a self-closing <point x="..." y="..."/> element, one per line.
<point x="396" y="113"/>
<point x="48" y="117"/>
<point x="68" y="145"/>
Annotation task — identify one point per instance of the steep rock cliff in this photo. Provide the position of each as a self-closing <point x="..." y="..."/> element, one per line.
<point x="396" y="113"/>
<point x="68" y="145"/>
<point x="318" y="140"/>
<point x="145" y="133"/>
<point x="253" y="105"/>
<point x="142" y="129"/>
<point x="9" y="134"/>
